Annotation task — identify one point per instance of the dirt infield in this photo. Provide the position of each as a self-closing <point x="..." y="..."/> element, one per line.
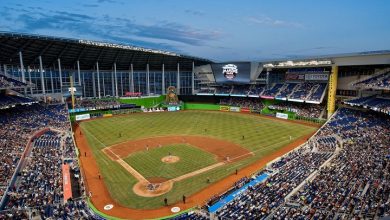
<point x="221" y="148"/>
<point x="102" y="197"/>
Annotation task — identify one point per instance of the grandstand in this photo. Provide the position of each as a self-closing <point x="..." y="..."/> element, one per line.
<point x="49" y="85"/>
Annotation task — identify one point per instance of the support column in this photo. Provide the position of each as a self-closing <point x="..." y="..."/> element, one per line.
<point x="29" y="78"/>
<point x="22" y="70"/>
<point x="93" y="85"/>
<point x="116" y="81"/>
<point x="122" y="92"/>
<point x="5" y="70"/>
<point x="267" y="80"/>
<point x="42" y="80"/>
<point x="84" y="93"/>
<point x="112" y="83"/>
<point x="22" y="66"/>
<point x="131" y="78"/>
<point x="52" y="83"/>
<point x="163" y="80"/>
<point x="147" y="80"/>
<point x="98" y="78"/>
<point x="104" y="84"/>
<point x="178" y="79"/>
<point x="78" y="72"/>
<point x="193" y="78"/>
<point x="332" y="88"/>
<point x="60" y="72"/>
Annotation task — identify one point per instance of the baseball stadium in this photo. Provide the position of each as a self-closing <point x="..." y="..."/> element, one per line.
<point x="101" y="130"/>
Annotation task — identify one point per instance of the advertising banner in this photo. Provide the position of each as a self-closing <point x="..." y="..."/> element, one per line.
<point x="235" y="109"/>
<point x="245" y="110"/>
<point x="317" y="77"/>
<point x="295" y="76"/>
<point x="173" y="108"/>
<point x="281" y="115"/>
<point x="83" y="117"/>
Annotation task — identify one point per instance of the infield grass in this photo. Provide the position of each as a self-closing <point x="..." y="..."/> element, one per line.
<point x="263" y="136"/>
<point x="149" y="164"/>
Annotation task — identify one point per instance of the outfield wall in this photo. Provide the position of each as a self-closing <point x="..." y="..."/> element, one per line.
<point x="200" y="106"/>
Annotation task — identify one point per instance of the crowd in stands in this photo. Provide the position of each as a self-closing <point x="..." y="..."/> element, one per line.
<point x="350" y="183"/>
<point x="40" y="182"/>
<point x="302" y="92"/>
<point x="379" y="104"/>
<point x="256" y="90"/>
<point x="306" y="91"/>
<point x="258" y="201"/>
<point x="20" y="122"/>
<point x="253" y="104"/>
<point x="273" y="90"/>
<point x="356" y="182"/>
<point x="36" y="190"/>
<point x="377" y="81"/>
<point x="93" y="104"/>
<point x="8" y="82"/>
<point x="301" y="109"/>
<point x="7" y="101"/>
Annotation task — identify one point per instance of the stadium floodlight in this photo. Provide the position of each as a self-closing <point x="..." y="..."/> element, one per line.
<point x="127" y="47"/>
<point x="268" y="65"/>
<point x="304" y="63"/>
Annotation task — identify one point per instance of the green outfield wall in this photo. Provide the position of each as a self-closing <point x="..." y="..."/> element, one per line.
<point x="201" y="106"/>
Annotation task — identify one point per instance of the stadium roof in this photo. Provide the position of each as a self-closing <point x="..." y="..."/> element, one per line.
<point x="87" y="52"/>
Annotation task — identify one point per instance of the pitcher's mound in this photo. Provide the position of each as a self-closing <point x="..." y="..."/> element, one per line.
<point x="170" y="159"/>
<point x="146" y="189"/>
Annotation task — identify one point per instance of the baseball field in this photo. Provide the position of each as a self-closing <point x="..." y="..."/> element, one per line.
<point x="145" y="157"/>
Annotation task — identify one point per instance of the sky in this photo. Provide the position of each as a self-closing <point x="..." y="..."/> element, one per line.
<point x="220" y="30"/>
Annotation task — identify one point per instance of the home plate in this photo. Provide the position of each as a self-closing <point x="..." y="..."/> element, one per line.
<point x="108" y="207"/>
<point x="175" y="209"/>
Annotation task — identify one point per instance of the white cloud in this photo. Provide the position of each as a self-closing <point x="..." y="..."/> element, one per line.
<point x="268" y="21"/>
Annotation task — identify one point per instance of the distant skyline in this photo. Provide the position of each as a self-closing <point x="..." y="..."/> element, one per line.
<point x="217" y="30"/>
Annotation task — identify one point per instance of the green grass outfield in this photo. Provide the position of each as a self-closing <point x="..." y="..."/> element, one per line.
<point x="263" y="136"/>
<point x="149" y="163"/>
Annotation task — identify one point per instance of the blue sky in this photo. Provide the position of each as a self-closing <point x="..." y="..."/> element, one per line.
<point x="220" y="30"/>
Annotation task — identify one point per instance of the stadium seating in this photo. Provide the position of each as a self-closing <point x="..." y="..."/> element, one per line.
<point x="317" y="92"/>
<point x="298" y="92"/>
<point x="380" y="81"/>
<point x="286" y="90"/>
<point x="93" y="104"/>
<point x="8" y="82"/>
<point x="301" y="92"/>
<point x="271" y="92"/>
<point x="37" y="192"/>
<point x="223" y="90"/>
<point x="379" y="104"/>
<point x="354" y="182"/>
<point x="7" y="101"/>
<point x="253" y="104"/>
<point x="256" y="90"/>
<point x="240" y="90"/>
<point x="301" y="109"/>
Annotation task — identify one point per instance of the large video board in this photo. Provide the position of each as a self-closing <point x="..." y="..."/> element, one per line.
<point x="232" y="72"/>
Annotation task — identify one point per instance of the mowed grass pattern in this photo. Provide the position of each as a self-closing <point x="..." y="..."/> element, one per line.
<point x="149" y="163"/>
<point x="263" y="136"/>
